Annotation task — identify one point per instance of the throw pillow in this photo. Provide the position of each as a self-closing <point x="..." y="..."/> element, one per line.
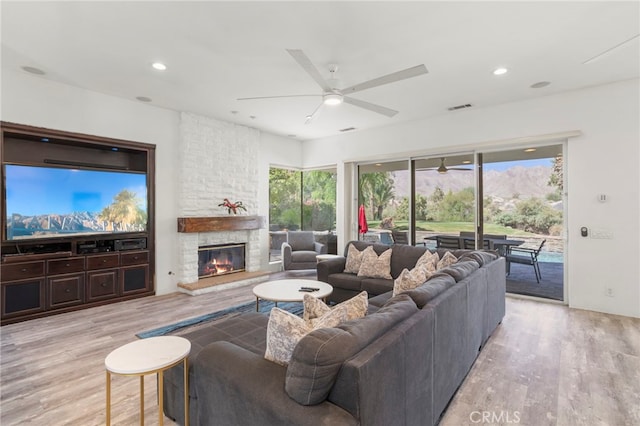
<point x="354" y="260"/>
<point x="318" y="314"/>
<point x="429" y="260"/>
<point x="374" y="266"/>
<point x="447" y="259"/>
<point x="284" y="331"/>
<point x="410" y="279"/>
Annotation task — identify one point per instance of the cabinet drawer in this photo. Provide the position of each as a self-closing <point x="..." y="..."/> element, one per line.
<point x="102" y="284"/>
<point x="103" y="261"/>
<point x="65" y="266"/>
<point x="66" y="290"/>
<point x="134" y="258"/>
<point x="20" y="271"/>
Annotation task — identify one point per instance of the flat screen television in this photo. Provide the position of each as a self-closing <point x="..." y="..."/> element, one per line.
<point x="49" y="202"/>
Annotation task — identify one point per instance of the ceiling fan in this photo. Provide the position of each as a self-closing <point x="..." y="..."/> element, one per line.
<point x="443" y="168"/>
<point x="331" y="95"/>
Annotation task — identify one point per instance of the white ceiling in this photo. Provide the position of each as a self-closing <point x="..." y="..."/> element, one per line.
<point x="217" y="52"/>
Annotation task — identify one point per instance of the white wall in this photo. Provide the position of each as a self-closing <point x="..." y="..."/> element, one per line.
<point x="604" y="160"/>
<point x="39" y="102"/>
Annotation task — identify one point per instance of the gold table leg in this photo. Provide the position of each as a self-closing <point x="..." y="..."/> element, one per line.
<point x="108" y="398"/>
<point x="160" y="398"/>
<point x="186" y="392"/>
<point x="142" y="400"/>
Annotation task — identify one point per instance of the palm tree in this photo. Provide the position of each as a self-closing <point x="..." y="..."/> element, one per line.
<point x="125" y="211"/>
<point x="376" y="190"/>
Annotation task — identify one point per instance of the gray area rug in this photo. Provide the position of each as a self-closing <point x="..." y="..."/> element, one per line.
<point x="522" y="280"/>
<point x="188" y="324"/>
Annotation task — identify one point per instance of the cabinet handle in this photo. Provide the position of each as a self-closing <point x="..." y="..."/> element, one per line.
<point x="104" y="260"/>
<point x="68" y="290"/>
<point x="103" y="284"/>
<point x="23" y="270"/>
<point x="67" y="265"/>
<point x="135" y="257"/>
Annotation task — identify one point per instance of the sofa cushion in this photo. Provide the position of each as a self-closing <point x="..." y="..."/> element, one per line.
<point x="374" y="265"/>
<point x="284" y="331"/>
<point x="461" y="270"/>
<point x="438" y="283"/>
<point x="410" y="279"/>
<point x="404" y="256"/>
<point x="304" y="256"/>
<point x="354" y="260"/>
<point x="317" y="313"/>
<point x="429" y="260"/>
<point x="375" y="286"/>
<point x="317" y="358"/>
<point x="346" y="281"/>
<point x="301" y="240"/>
<point x="446" y="260"/>
<point x="480" y="256"/>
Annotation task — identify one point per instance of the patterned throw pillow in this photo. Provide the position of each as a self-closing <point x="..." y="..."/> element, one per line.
<point x="284" y="331"/>
<point x="354" y="260"/>
<point x="374" y="266"/>
<point x="410" y="279"/>
<point x="447" y="260"/>
<point x="319" y="315"/>
<point x="429" y="260"/>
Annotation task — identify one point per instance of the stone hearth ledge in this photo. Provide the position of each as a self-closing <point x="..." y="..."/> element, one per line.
<point x="223" y="282"/>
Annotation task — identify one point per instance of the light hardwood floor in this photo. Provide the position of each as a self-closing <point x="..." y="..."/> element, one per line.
<point x="545" y="365"/>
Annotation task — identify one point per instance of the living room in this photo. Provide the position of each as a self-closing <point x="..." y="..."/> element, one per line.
<point x="598" y="122"/>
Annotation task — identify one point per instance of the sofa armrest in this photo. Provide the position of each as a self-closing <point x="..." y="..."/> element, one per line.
<point x="286" y="255"/>
<point x="236" y="386"/>
<point x="331" y="266"/>
<point x="320" y="248"/>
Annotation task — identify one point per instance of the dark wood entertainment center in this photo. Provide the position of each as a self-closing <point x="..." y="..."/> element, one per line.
<point x="45" y="276"/>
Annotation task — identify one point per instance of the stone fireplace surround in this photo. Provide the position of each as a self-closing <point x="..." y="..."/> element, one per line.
<point x="217" y="160"/>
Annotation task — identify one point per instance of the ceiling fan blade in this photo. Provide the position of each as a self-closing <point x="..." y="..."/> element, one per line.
<point x="314" y="114"/>
<point x="273" y="97"/>
<point x="371" y="107"/>
<point x="386" y="79"/>
<point x="308" y="66"/>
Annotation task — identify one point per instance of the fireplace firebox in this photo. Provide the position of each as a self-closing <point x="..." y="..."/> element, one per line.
<point x="220" y="259"/>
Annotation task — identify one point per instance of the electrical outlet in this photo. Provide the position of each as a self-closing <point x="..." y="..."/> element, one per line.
<point x="609" y="292"/>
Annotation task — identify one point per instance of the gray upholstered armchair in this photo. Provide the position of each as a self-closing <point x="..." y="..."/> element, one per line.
<point x="300" y="250"/>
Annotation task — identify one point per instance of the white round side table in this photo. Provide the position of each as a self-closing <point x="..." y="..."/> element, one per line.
<point x="288" y="290"/>
<point x="149" y="356"/>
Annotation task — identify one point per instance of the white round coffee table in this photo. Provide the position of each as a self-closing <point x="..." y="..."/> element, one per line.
<point x="321" y="257"/>
<point x="149" y="356"/>
<point x="289" y="290"/>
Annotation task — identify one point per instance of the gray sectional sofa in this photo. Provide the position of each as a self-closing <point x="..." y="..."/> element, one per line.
<point x="399" y="365"/>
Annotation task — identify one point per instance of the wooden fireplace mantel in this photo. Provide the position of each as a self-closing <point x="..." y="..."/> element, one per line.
<point x="219" y="223"/>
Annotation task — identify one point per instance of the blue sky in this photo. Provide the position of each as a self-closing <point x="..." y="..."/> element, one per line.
<point x="44" y="190"/>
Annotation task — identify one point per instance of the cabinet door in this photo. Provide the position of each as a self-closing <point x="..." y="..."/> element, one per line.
<point x="102" y="284"/>
<point x="134" y="279"/>
<point x="65" y="290"/>
<point x="23" y="297"/>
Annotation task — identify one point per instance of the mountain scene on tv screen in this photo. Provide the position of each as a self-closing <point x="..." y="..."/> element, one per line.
<point x="124" y="214"/>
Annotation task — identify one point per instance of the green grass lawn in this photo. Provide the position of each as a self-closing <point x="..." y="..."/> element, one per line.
<point x="454" y="227"/>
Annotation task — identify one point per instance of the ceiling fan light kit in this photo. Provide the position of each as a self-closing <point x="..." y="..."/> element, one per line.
<point x="332" y="99"/>
<point x="334" y="96"/>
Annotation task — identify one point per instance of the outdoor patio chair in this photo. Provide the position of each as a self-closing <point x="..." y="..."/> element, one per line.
<point x="448" y="242"/>
<point x="400" y="237"/>
<point x="525" y="256"/>
<point x="470" y="244"/>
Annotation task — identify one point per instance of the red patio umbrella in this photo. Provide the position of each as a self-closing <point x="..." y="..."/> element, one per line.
<point x="362" y="221"/>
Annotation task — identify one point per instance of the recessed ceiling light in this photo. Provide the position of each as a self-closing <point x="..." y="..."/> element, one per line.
<point x="159" y="66"/>
<point x="540" y="84"/>
<point x="530" y="150"/>
<point x="143" y="99"/>
<point x="500" y="71"/>
<point x="378" y="164"/>
<point x="33" y="70"/>
<point x="466" y="162"/>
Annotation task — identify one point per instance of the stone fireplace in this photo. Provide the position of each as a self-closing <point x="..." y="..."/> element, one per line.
<point x="220" y="260"/>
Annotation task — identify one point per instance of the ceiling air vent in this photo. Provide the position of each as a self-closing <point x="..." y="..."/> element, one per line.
<point x="457" y="107"/>
<point x="347" y="129"/>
